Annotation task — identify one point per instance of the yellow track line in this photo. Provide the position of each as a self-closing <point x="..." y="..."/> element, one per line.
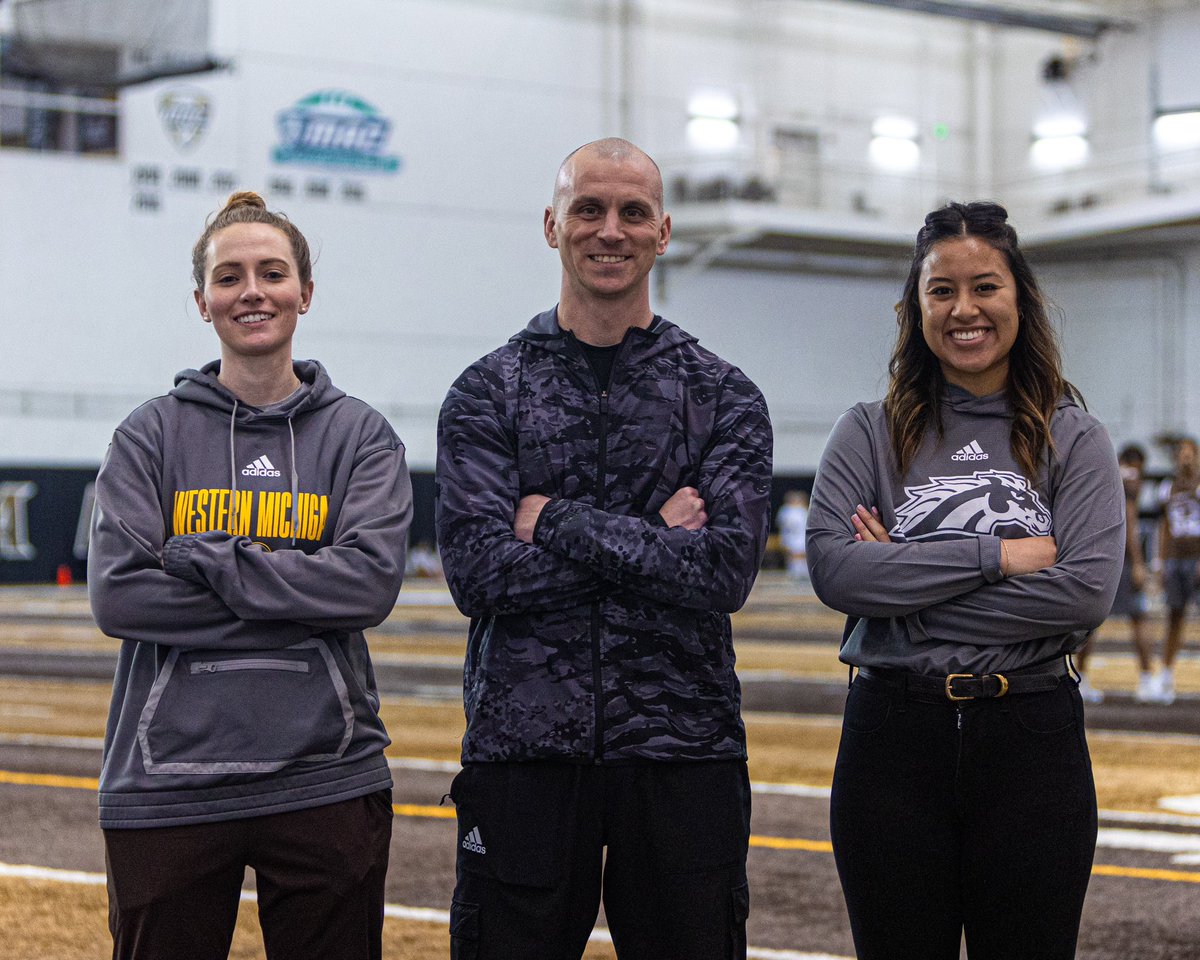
<point x="418" y="810"/>
<point x="48" y="780"/>
<point x="770" y="843"/>
<point x="788" y="843"/>
<point x="1144" y="873"/>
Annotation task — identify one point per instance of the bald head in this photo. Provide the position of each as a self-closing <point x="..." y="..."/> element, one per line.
<point x="610" y="148"/>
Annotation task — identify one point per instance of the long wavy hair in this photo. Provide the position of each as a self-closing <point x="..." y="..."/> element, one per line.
<point x="1035" y="380"/>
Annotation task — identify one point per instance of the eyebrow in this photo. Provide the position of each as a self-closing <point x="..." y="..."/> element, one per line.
<point x="233" y="264"/>
<point x="978" y="276"/>
<point x="635" y="202"/>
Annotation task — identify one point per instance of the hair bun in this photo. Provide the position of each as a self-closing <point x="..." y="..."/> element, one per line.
<point x="244" y="198"/>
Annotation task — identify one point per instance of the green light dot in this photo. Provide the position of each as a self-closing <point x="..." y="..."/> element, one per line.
<point x="941" y="131"/>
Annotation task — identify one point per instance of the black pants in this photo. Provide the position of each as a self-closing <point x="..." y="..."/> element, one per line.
<point x="173" y="891"/>
<point x="533" y="865"/>
<point x="976" y="817"/>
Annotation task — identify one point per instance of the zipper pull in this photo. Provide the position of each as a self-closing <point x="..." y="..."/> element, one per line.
<point x="958" y="711"/>
<point x="204" y="666"/>
<point x="604" y="402"/>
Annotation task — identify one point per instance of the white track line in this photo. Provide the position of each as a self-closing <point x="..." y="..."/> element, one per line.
<point x="806" y="791"/>
<point x="22" y="871"/>
<point x="1154" y="841"/>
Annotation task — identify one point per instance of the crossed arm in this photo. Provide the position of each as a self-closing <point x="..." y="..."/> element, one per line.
<point x="508" y="552"/>
<point x="991" y="590"/>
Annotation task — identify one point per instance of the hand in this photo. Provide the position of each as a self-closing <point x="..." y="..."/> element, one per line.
<point x="528" y="511"/>
<point x="1027" y="555"/>
<point x="868" y="528"/>
<point x="684" y="509"/>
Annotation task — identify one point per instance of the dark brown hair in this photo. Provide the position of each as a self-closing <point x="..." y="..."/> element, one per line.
<point x="246" y="206"/>
<point x="1035" y="380"/>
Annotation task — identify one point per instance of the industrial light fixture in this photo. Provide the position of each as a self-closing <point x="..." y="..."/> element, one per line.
<point x="1177" y="130"/>
<point x="894" y="145"/>
<point x="1060" y="126"/>
<point x="713" y="122"/>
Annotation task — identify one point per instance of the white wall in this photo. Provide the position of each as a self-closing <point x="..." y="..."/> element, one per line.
<point x="444" y="259"/>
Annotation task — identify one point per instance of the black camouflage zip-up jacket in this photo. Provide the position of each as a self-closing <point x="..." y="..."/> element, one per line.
<point x="607" y="639"/>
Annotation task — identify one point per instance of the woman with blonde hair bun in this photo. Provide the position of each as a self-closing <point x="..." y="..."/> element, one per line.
<point x="249" y="525"/>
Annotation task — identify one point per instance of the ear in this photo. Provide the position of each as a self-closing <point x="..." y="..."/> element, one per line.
<point x="548" y="225"/>
<point x="664" y="234"/>
<point x="306" y="292"/>
<point x="202" y="304"/>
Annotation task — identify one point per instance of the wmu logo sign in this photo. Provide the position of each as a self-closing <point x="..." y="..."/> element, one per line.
<point x="988" y="502"/>
<point x="184" y="115"/>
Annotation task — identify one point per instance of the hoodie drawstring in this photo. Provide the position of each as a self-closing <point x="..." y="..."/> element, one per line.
<point x="295" y="480"/>
<point x="233" y="506"/>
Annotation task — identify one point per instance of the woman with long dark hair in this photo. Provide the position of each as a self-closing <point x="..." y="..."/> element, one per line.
<point x="971" y="526"/>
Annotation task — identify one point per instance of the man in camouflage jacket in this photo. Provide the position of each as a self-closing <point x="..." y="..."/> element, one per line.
<point x="603" y="505"/>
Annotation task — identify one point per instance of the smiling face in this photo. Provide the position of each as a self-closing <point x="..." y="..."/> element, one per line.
<point x="252" y="291"/>
<point x="969" y="316"/>
<point x="608" y="225"/>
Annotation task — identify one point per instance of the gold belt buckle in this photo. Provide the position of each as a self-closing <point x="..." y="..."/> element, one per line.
<point x="950" y="679"/>
<point x="970" y="676"/>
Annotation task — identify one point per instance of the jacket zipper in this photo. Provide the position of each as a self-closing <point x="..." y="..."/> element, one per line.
<point x="601" y="494"/>
<point x="254" y="663"/>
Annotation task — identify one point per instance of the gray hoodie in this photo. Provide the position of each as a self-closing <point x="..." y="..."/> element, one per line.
<point x="934" y="601"/>
<point x="238" y="554"/>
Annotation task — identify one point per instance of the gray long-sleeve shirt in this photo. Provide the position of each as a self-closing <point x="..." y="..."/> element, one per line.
<point x="934" y="600"/>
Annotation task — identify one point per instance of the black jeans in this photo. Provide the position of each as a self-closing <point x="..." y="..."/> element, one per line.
<point x="975" y="817"/>
<point x="539" y="843"/>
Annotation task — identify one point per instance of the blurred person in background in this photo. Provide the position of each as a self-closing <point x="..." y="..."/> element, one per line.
<point x="1179" y="554"/>
<point x="249" y="526"/>
<point x="1130" y="600"/>
<point x="793" y="521"/>
<point x="963" y="798"/>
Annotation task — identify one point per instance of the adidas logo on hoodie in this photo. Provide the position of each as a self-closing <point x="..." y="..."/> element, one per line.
<point x="972" y="451"/>
<point x="261" y="467"/>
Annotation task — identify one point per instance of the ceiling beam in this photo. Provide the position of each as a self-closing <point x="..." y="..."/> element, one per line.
<point x="1078" y="25"/>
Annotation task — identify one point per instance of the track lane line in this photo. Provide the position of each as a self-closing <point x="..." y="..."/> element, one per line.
<point x="25" y="871"/>
<point x="429" y="811"/>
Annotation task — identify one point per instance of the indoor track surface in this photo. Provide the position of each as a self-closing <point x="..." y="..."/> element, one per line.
<point x="55" y="670"/>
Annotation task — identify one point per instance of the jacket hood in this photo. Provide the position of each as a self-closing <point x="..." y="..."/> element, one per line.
<point x="963" y="402"/>
<point x="201" y="386"/>
<point x="543" y="331"/>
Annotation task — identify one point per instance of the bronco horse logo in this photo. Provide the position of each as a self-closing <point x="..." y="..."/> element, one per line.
<point x="986" y="502"/>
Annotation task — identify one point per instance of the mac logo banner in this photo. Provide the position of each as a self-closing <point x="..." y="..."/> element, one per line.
<point x="185" y="115"/>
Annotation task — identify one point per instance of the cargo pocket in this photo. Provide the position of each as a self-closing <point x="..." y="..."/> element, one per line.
<point x="741" y="912"/>
<point x="223" y="712"/>
<point x="511" y="821"/>
<point x="464" y="930"/>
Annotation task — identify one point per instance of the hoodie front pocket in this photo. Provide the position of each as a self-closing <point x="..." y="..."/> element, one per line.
<point x="216" y="712"/>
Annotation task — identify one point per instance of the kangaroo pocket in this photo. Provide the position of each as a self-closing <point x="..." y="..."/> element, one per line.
<point x="222" y="712"/>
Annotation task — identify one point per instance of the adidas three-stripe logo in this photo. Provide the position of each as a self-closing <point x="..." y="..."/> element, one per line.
<point x="972" y="451"/>
<point x="261" y="467"/>
<point x="474" y="842"/>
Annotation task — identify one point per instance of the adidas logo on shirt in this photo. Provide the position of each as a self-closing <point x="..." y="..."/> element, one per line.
<point x="261" y="467"/>
<point x="972" y="451"/>
<point x="474" y="842"/>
